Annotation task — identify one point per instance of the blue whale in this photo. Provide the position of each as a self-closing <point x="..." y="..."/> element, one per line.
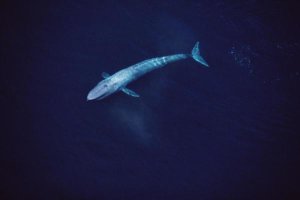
<point x="119" y="80"/>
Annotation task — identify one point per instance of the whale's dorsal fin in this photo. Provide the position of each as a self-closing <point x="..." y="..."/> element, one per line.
<point x="105" y="75"/>
<point x="130" y="92"/>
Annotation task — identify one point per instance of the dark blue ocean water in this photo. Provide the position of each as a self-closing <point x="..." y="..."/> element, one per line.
<point x="230" y="131"/>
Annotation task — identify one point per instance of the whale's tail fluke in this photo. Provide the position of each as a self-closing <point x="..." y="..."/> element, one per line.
<point x="196" y="55"/>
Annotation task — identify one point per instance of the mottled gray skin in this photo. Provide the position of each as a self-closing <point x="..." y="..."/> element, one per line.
<point x="119" y="80"/>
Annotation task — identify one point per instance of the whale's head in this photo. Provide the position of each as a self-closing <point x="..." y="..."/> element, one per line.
<point x="101" y="90"/>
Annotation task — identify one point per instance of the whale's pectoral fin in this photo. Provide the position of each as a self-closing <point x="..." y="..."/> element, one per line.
<point x="130" y="92"/>
<point x="105" y="75"/>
